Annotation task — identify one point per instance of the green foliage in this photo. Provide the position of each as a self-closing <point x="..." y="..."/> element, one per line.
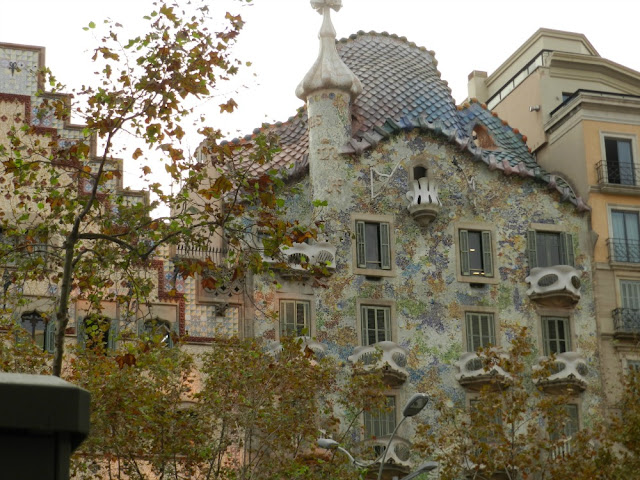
<point x="242" y="413"/>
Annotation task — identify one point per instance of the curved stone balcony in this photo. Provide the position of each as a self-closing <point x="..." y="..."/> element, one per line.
<point x="319" y="254"/>
<point x="306" y="344"/>
<point x="557" y="286"/>
<point x="387" y="356"/>
<point x="424" y="204"/>
<point x="567" y="372"/>
<point x="397" y="458"/>
<point x="473" y="374"/>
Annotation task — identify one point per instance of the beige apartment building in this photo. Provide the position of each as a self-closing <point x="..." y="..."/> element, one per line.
<point x="580" y="114"/>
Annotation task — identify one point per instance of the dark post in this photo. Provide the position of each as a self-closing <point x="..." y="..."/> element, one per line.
<point x="43" y="419"/>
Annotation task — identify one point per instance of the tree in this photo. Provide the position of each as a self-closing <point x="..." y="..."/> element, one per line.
<point x="513" y="429"/>
<point x="244" y="413"/>
<point x="68" y="231"/>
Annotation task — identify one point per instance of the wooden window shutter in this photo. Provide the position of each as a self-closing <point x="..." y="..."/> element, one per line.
<point x="385" y="247"/>
<point x="361" y="251"/>
<point x="464" y="252"/>
<point x="487" y="255"/>
<point x="567" y="256"/>
<point x="81" y="332"/>
<point x="113" y="334"/>
<point x="531" y="249"/>
<point x="49" y="336"/>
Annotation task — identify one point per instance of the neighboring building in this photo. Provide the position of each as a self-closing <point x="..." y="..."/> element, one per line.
<point x="441" y="232"/>
<point x="581" y="116"/>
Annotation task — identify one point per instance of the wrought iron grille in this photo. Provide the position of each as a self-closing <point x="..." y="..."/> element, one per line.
<point x="624" y="250"/>
<point x="617" y="173"/>
<point x="626" y="320"/>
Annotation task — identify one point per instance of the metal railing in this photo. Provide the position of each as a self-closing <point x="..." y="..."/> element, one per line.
<point x="624" y="250"/>
<point x="217" y="255"/>
<point x="616" y="173"/>
<point x="626" y="320"/>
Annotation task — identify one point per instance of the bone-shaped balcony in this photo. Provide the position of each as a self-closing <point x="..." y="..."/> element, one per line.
<point x="386" y="356"/>
<point x="424" y="204"/>
<point x="557" y="286"/>
<point x="397" y="458"/>
<point x="301" y="258"/>
<point x="566" y="372"/>
<point x="474" y="372"/>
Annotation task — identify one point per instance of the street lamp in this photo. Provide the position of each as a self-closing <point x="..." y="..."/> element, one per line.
<point x="413" y="407"/>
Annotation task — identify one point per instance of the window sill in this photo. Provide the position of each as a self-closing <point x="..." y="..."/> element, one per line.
<point x="374" y="272"/>
<point x="477" y="279"/>
<point x="616" y="188"/>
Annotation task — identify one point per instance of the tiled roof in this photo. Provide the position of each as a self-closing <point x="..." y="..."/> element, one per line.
<point x="402" y="91"/>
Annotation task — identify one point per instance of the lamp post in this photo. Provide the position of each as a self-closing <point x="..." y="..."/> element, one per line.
<point x="414" y="406"/>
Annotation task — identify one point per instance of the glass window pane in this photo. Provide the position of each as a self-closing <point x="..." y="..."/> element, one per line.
<point x="372" y="235"/>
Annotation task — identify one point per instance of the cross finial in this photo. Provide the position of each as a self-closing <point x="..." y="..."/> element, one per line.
<point x="320" y="5"/>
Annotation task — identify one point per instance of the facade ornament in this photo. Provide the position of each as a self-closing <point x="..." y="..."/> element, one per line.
<point x="329" y="71"/>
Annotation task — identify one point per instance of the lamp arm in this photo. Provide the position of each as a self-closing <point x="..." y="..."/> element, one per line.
<point x="384" y="454"/>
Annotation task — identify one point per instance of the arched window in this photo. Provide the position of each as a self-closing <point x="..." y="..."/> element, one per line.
<point x="97" y="332"/>
<point x="39" y="328"/>
<point x="419" y="171"/>
<point x="157" y="330"/>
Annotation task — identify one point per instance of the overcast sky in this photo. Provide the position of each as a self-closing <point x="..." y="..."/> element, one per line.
<point x="280" y="38"/>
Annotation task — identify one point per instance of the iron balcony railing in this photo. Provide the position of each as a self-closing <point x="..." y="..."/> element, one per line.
<point x="626" y="320"/>
<point x="624" y="250"/>
<point x="616" y="173"/>
<point x="216" y="254"/>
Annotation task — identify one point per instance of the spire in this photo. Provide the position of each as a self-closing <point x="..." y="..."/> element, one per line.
<point x="329" y="71"/>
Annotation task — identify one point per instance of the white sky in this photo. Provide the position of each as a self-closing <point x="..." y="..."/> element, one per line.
<point x="280" y="39"/>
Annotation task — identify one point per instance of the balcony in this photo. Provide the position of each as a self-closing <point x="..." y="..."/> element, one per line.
<point x="424" y="204"/>
<point x="557" y="286"/>
<point x="564" y="374"/>
<point x="386" y="356"/>
<point x="307" y="345"/>
<point x="626" y="322"/>
<point x="563" y="450"/>
<point x="618" y="177"/>
<point x="397" y="458"/>
<point x="304" y="258"/>
<point x="474" y="373"/>
<point x="623" y="250"/>
<point x="217" y="255"/>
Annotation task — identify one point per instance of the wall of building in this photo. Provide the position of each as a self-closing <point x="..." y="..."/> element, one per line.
<point x="424" y="289"/>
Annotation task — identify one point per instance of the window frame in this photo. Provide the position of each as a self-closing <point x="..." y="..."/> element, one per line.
<point x="546" y="341"/>
<point x="362" y="303"/>
<point x="356" y="247"/>
<point x="609" y="135"/>
<point x="296" y="301"/>
<point x="48" y="332"/>
<point x="461" y="250"/>
<point x="371" y="418"/>
<point x="556" y="436"/>
<point x="145" y="332"/>
<point x="566" y="250"/>
<point x="494" y="325"/>
<point x="112" y="332"/>
<point x="611" y="249"/>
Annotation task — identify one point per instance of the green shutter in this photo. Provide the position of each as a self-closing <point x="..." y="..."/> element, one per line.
<point x="387" y="324"/>
<point x="385" y="247"/>
<point x="80" y="331"/>
<point x="49" y="336"/>
<point x="487" y="255"/>
<point x="364" y="319"/>
<point x="531" y="249"/>
<point x="113" y="335"/>
<point x="140" y="327"/>
<point x="361" y="252"/>
<point x="566" y="249"/>
<point x="464" y="252"/>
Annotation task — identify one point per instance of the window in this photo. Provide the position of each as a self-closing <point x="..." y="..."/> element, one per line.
<point x="625" y="244"/>
<point x="547" y="249"/>
<point x="373" y="246"/>
<point x="556" y="336"/>
<point x="158" y="330"/>
<point x="382" y="422"/>
<point x="476" y="257"/>
<point x="619" y="157"/>
<point x="480" y="330"/>
<point x="633" y="366"/>
<point x="27" y="246"/>
<point x="294" y="318"/>
<point x="376" y="324"/>
<point x="568" y="425"/>
<point x="40" y="329"/>
<point x="97" y="332"/>
<point x="566" y="96"/>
